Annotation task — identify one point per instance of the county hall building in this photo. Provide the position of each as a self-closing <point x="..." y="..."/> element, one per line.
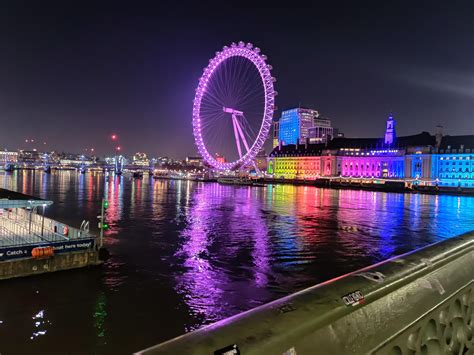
<point x="444" y="160"/>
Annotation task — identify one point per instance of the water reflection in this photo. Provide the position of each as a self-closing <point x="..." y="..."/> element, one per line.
<point x="186" y="254"/>
<point x="40" y="324"/>
<point x="225" y="230"/>
<point x="100" y="315"/>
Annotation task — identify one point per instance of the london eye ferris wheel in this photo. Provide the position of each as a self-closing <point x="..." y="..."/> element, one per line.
<point x="233" y="107"/>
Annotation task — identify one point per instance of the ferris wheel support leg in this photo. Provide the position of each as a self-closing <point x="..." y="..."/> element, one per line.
<point x="241" y="133"/>
<point x="237" y="141"/>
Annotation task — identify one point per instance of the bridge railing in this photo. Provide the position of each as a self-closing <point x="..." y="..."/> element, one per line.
<point x="418" y="303"/>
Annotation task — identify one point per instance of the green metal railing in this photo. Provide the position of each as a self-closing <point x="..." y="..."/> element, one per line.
<point x="418" y="303"/>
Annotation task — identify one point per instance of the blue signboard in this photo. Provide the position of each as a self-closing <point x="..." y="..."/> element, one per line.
<point x="63" y="247"/>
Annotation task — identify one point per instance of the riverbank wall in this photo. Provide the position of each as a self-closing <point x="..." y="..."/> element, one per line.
<point x="31" y="266"/>
<point x="400" y="186"/>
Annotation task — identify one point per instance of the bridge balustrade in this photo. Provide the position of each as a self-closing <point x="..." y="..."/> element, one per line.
<point x="418" y="303"/>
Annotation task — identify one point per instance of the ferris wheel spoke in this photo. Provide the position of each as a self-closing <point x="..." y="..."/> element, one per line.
<point x="248" y="131"/>
<point x="212" y="122"/>
<point x="246" y="81"/>
<point x="249" y="95"/>
<point x="213" y="97"/>
<point x="220" y="85"/>
<point x="255" y="92"/>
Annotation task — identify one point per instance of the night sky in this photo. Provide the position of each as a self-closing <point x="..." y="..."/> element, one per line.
<point x="72" y="75"/>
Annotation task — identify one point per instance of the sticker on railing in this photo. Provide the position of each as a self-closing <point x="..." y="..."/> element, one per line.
<point x="228" y="350"/>
<point x="354" y="298"/>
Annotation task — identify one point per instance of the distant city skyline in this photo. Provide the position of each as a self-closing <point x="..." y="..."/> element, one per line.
<point x="72" y="76"/>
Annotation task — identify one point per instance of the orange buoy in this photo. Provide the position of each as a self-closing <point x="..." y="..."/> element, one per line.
<point x="65" y="230"/>
<point x="42" y="252"/>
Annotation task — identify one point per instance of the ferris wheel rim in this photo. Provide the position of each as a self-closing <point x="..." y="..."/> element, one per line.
<point x="259" y="62"/>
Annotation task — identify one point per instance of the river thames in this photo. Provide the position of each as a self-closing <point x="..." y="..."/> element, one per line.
<point x="185" y="254"/>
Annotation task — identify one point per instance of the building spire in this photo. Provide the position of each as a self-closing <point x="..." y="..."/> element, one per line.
<point x="390" y="132"/>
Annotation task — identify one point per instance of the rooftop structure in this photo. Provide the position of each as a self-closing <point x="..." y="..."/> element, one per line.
<point x="321" y="131"/>
<point x="294" y="124"/>
<point x="390" y="133"/>
<point x="13" y="199"/>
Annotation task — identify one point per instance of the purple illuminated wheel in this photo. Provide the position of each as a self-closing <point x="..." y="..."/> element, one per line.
<point x="233" y="107"/>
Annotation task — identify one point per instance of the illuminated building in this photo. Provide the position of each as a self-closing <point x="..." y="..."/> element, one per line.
<point x="8" y="157"/>
<point x="380" y="163"/>
<point x="428" y="159"/>
<point x="70" y="159"/>
<point x="296" y="161"/>
<point x="453" y="165"/>
<point x="276" y="128"/>
<point x="194" y="161"/>
<point x="29" y="156"/>
<point x="321" y="131"/>
<point x="294" y="125"/>
<point x="349" y="157"/>
<point x="220" y="158"/>
<point x="390" y="133"/>
<point x="140" y="159"/>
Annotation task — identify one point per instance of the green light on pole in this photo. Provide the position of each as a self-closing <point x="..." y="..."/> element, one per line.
<point x="103" y="225"/>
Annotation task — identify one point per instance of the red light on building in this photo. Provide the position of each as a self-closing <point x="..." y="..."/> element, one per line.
<point x="220" y="158"/>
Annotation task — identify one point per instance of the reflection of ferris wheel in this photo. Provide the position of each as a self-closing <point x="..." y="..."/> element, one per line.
<point x="233" y="107"/>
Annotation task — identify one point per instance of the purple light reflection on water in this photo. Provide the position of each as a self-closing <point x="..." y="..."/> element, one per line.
<point x="206" y="284"/>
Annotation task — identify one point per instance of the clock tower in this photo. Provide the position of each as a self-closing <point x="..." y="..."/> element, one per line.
<point x="390" y="133"/>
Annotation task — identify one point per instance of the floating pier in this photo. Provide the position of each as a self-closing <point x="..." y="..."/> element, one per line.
<point x="31" y="243"/>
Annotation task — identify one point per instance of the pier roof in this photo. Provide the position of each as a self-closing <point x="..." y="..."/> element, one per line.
<point x="13" y="199"/>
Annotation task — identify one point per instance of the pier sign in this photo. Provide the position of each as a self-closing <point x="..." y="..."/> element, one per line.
<point x="24" y="251"/>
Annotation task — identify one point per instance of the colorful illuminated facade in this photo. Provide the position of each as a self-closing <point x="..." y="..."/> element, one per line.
<point x="433" y="159"/>
<point x="379" y="163"/>
<point x="453" y="165"/>
<point x="294" y="125"/>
